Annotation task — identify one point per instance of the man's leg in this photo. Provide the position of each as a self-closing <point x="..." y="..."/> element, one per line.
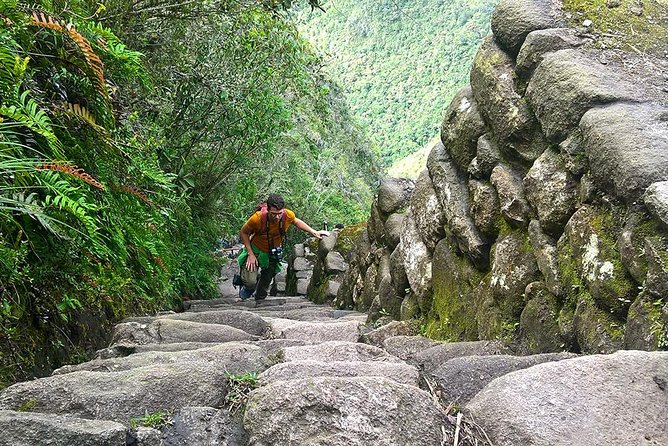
<point x="266" y="275"/>
<point x="249" y="278"/>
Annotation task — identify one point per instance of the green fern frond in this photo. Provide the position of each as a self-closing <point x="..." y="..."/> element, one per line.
<point x="12" y="68"/>
<point x="28" y="112"/>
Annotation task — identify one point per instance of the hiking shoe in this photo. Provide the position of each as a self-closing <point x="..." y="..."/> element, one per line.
<point x="257" y="298"/>
<point x="245" y="293"/>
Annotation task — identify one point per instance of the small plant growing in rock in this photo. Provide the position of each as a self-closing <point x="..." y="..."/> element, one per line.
<point x="241" y="385"/>
<point x="28" y="406"/>
<point x="155" y="420"/>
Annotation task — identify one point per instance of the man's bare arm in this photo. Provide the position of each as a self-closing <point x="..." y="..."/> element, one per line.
<point x="306" y="228"/>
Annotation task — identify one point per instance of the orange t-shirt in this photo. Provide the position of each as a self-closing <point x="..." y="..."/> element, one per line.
<point x="260" y="239"/>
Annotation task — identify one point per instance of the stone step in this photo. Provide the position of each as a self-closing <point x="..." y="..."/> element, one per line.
<point x="322" y="331"/>
<point x="120" y="396"/>
<point x="36" y="429"/>
<point x="337" y="351"/>
<point x="396" y="371"/>
<point x="170" y="331"/>
<point x="247" y="321"/>
<point x="232" y="356"/>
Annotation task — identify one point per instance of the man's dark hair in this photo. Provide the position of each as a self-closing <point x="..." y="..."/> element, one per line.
<point x="275" y="201"/>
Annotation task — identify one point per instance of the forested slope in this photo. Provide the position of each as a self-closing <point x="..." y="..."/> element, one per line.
<point x="133" y="135"/>
<point x="400" y="61"/>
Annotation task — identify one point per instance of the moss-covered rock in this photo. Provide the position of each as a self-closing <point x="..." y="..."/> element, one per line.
<point x="409" y="307"/>
<point x="647" y="326"/>
<point x="589" y="258"/>
<point x="656" y="254"/>
<point x="454" y="282"/>
<point x="492" y="322"/>
<point x="317" y="292"/>
<point x="637" y="227"/>
<point x="539" y="326"/>
<point x="370" y="290"/>
<point x="545" y="250"/>
<point x="390" y="303"/>
<point x="566" y="325"/>
<point x="349" y="239"/>
<point x="513" y="268"/>
<point x="493" y="85"/>
<point x="500" y="294"/>
<point x="630" y="20"/>
<point x="596" y="331"/>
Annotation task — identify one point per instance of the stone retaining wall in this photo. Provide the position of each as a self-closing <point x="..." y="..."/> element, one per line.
<point x="541" y="215"/>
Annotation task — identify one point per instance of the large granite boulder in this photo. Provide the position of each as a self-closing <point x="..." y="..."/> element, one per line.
<point x="462" y="126"/>
<point x="427" y="212"/>
<point x="342" y="412"/>
<point x="514" y="206"/>
<point x="460" y="379"/>
<point x="567" y="83"/>
<point x="417" y="261"/>
<point x="541" y="42"/>
<point x="627" y="146"/>
<point x="513" y="20"/>
<point x="552" y="191"/>
<point x="615" y="399"/>
<point x="393" y="194"/>
<point x="451" y="190"/>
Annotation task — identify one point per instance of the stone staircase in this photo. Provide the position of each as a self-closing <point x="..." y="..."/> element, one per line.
<point x="322" y="377"/>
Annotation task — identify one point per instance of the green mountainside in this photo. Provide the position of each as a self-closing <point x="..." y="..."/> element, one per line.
<point x="399" y="61"/>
